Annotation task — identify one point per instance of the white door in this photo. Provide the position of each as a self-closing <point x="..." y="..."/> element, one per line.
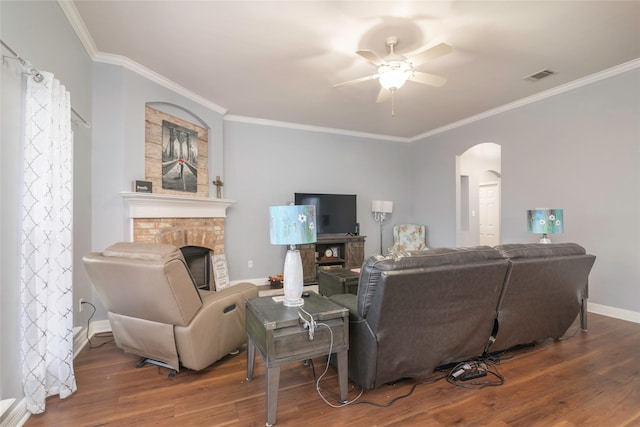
<point x="489" y="218"/>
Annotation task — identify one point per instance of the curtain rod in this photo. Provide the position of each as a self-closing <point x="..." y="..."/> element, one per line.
<point x="36" y="76"/>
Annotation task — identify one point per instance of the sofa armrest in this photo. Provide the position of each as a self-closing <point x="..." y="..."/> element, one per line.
<point x="350" y="302"/>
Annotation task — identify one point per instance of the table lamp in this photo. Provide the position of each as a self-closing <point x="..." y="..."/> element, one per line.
<point x="545" y="221"/>
<point x="292" y="225"/>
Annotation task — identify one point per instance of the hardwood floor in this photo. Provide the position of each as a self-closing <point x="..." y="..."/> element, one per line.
<point x="590" y="379"/>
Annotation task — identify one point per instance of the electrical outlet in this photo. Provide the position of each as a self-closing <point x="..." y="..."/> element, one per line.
<point x="250" y="264"/>
<point x="80" y="302"/>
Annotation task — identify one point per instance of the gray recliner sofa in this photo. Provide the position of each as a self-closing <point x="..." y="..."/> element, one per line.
<point x="418" y="310"/>
<point x="415" y="311"/>
<point x="156" y="310"/>
<point x="545" y="289"/>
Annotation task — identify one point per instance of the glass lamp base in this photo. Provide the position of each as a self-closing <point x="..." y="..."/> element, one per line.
<point x="293" y="303"/>
<point x="293" y="279"/>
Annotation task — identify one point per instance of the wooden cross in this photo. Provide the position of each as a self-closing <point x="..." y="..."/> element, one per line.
<point x="219" y="184"/>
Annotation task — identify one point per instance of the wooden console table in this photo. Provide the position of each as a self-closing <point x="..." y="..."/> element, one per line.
<point x="331" y="251"/>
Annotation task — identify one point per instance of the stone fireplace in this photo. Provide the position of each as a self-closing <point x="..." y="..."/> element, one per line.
<point x="181" y="232"/>
<point x="185" y="222"/>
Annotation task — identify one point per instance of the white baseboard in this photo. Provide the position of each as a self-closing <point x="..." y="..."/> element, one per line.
<point x="80" y="334"/>
<point x="617" y="313"/>
<point x="17" y="415"/>
<point x="5" y="405"/>
<point x="260" y="281"/>
<point x="79" y="339"/>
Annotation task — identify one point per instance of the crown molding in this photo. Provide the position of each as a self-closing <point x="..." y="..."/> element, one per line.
<point x="74" y="18"/>
<point x="77" y="23"/>
<point x="610" y="72"/>
<point x="298" y="126"/>
<point x="123" y="61"/>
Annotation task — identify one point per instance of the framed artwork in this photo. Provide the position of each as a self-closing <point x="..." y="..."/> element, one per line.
<point x="176" y="154"/>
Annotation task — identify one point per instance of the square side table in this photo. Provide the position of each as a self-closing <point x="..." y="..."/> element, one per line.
<point x="280" y="336"/>
<point x="337" y="281"/>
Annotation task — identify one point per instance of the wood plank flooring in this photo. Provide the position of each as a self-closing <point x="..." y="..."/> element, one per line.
<point x="589" y="379"/>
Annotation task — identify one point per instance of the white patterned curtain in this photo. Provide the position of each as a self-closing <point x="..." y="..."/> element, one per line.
<point x="46" y="252"/>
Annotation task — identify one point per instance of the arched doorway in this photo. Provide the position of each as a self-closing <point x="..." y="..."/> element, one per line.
<point x="478" y="188"/>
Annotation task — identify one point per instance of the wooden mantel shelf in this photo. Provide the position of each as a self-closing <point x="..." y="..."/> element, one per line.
<point x="153" y="205"/>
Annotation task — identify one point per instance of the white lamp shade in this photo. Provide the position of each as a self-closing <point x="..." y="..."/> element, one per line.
<point x="382" y="206"/>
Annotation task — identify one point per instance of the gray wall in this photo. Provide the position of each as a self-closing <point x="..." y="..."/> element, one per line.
<point x="41" y="34"/>
<point x="266" y="165"/>
<point x="578" y="151"/>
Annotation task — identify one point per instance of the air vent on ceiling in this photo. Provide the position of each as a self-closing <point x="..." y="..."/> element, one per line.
<point x="539" y="75"/>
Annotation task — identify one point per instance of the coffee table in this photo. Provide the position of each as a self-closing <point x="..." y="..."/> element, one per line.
<point x="280" y="336"/>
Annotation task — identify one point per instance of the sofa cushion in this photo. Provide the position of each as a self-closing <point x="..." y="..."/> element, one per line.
<point x="404" y="260"/>
<point x="538" y="250"/>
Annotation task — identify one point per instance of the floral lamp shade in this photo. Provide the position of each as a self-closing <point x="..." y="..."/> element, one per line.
<point x="545" y="221"/>
<point x="292" y="225"/>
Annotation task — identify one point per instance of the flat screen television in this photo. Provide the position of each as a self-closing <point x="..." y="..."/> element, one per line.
<point x="335" y="213"/>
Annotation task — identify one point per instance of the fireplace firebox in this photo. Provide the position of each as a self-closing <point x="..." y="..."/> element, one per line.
<point x="199" y="263"/>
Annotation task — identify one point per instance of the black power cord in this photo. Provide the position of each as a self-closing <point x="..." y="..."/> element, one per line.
<point x="409" y="393"/>
<point x="368" y="402"/>
<point x="99" y="335"/>
<point x="464" y="374"/>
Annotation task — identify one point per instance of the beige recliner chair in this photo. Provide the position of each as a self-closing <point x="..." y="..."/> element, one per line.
<point x="157" y="312"/>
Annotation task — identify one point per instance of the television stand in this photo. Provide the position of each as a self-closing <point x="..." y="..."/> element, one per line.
<point x="331" y="251"/>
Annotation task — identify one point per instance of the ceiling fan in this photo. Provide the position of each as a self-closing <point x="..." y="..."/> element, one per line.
<point x="395" y="69"/>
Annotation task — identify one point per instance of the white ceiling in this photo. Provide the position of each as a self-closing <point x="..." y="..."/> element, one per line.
<point x="279" y="60"/>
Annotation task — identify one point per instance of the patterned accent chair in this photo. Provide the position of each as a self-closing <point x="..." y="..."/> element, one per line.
<point x="408" y="237"/>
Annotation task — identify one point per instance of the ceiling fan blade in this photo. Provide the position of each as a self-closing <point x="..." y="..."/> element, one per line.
<point x="429" y="54"/>
<point x="371" y="57"/>
<point x="354" y="81"/>
<point x="383" y="95"/>
<point x="428" y="79"/>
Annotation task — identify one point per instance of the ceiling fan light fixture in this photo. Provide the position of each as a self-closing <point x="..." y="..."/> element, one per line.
<point x="394" y="74"/>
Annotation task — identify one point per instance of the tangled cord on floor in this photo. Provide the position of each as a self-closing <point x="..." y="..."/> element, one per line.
<point x="485" y="368"/>
<point x="476" y="374"/>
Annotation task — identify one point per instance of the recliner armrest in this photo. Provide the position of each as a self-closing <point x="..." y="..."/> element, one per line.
<point x="349" y="301"/>
<point x="218" y="328"/>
